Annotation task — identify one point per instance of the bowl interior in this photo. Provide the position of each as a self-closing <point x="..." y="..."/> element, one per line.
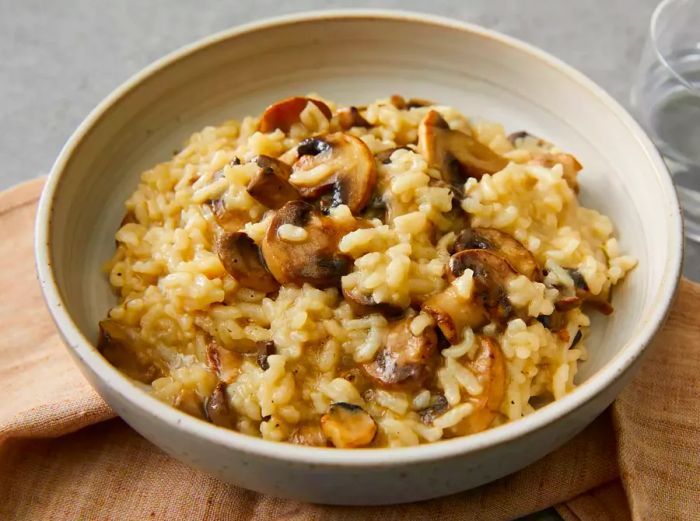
<point x="352" y="60"/>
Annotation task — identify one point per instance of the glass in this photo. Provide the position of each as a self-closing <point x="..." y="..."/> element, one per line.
<point x="666" y="98"/>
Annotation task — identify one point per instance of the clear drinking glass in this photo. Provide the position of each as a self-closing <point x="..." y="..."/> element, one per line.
<point x="666" y="98"/>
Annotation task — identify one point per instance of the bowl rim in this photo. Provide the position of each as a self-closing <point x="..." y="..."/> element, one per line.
<point x="118" y="384"/>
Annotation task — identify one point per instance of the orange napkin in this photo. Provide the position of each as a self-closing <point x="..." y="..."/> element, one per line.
<point x="63" y="455"/>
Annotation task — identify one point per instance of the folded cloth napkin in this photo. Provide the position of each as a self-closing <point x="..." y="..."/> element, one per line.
<point x="63" y="455"/>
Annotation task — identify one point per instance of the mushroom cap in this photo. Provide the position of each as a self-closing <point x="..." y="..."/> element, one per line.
<point x="500" y="242"/>
<point x="241" y="259"/>
<point x="514" y="137"/>
<point x="570" y="166"/>
<point x="270" y="185"/>
<point x="362" y="304"/>
<point x="225" y="364"/>
<point x="339" y="167"/>
<point x="405" y="356"/>
<point x="284" y="113"/>
<point x="492" y="273"/>
<point x="349" y="117"/>
<point x="316" y="259"/>
<point x="348" y="425"/>
<point x="452" y="314"/>
<point x="310" y="434"/>
<point x="489" y="367"/>
<point x="457" y="155"/>
<point x="217" y="409"/>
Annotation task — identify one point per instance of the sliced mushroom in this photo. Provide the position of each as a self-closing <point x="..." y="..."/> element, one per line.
<point x="123" y="348"/>
<point x="452" y="314"/>
<point x="570" y="166"/>
<point x="348" y="426"/>
<point x="405" y="356"/>
<point x="524" y="134"/>
<point x="338" y="167"/>
<point x="349" y="117"/>
<point x="495" y="240"/>
<point x="577" y="338"/>
<point x="225" y="364"/>
<point x="567" y="303"/>
<point x="438" y="406"/>
<point x="230" y="220"/>
<point x="491" y="276"/>
<point x="217" y="409"/>
<point x="554" y="322"/>
<point x="600" y="303"/>
<point x="283" y="114"/>
<point x="384" y="157"/>
<point x="400" y="103"/>
<point x="457" y="155"/>
<point x="241" y="258"/>
<point x="270" y="185"/>
<point x="310" y="434"/>
<point x="362" y="304"/>
<point x="376" y="208"/>
<point x="265" y="349"/>
<point x="548" y="159"/>
<point x="489" y="295"/>
<point x="314" y="260"/>
<point x="489" y="367"/>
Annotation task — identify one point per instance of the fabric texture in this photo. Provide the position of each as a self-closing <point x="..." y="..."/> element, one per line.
<point x="64" y="456"/>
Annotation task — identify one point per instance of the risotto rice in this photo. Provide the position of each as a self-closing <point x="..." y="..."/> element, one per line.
<point x="374" y="276"/>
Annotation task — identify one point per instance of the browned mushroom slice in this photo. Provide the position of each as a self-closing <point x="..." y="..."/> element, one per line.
<point x="400" y="103"/>
<point x="490" y="370"/>
<point x="452" y="314"/>
<point x="570" y="166"/>
<point x="309" y="434"/>
<point x="264" y="349"/>
<point x="414" y="103"/>
<point x="241" y="258"/>
<point x="349" y="117"/>
<point x="568" y="303"/>
<point x="348" y="426"/>
<point x="225" y="364"/>
<point x="491" y="276"/>
<point x="524" y="134"/>
<point x="495" y="240"/>
<point x="457" y="155"/>
<point x="270" y="185"/>
<point x="362" y="304"/>
<point x="438" y="406"/>
<point x="600" y="303"/>
<point x="229" y="220"/>
<point x="338" y="167"/>
<point x="384" y="157"/>
<point x="217" y="409"/>
<point x="313" y="259"/>
<point x="405" y="356"/>
<point x="376" y="208"/>
<point x="283" y="114"/>
<point x="123" y="348"/>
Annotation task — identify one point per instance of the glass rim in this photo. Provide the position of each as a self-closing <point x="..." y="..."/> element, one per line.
<point x="653" y="40"/>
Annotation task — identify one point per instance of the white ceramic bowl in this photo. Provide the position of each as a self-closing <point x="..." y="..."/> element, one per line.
<point x="354" y="57"/>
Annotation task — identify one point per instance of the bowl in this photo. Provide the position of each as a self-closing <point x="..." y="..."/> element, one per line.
<point x="353" y="57"/>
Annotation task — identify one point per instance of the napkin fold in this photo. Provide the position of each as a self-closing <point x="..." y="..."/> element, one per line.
<point x="63" y="454"/>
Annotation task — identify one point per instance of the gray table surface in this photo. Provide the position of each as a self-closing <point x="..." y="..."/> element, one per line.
<point x="59" y="59"/>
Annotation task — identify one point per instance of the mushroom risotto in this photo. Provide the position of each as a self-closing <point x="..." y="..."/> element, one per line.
<point x="371" y="276"/>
